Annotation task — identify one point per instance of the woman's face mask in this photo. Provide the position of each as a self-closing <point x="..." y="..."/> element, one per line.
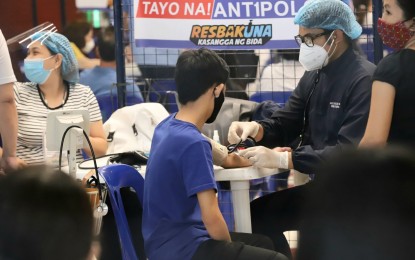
<point x="34" y="70"/>
<point x="315" y="57"/>
<point x="394" y="35"/>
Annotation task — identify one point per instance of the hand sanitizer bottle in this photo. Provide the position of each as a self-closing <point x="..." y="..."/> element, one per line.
<point x="216" y="136"/>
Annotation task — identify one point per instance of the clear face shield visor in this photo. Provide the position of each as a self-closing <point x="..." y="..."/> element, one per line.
<point x="25" y="38"/>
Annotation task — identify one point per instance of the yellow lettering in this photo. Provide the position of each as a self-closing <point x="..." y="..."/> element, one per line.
<point x="230" y="32"/>
<point x="221" y="31"/>
<point x="239" y="31"/>
<point x="195" y="31"/>
<point x="212" y="31"/>
<point x="205" y="31"/>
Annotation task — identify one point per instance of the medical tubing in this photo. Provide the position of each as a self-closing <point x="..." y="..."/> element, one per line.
<point x="92" y="152"/>
<point x="307" y="104"/>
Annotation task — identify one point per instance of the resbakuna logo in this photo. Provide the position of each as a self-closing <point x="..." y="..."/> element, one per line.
<point x="231" y="35"/>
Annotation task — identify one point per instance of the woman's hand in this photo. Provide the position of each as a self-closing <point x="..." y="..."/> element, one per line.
<point x="11" y="163"/>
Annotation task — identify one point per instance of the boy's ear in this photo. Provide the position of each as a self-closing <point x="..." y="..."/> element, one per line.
<point x="218" y="89"/>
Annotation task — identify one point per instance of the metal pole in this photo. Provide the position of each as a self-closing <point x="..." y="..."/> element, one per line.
<point x="377" y="43"/>
<point x="119" y="53"/>
<point x="34" y="13"/>
<point x="63" y="13"/>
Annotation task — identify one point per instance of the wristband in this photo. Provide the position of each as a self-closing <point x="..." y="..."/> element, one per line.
<point x="283" y="160"/>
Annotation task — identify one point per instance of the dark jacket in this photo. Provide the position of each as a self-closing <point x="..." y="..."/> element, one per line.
<point x="337" y="114"/>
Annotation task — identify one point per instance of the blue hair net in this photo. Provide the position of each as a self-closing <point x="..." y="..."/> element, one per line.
<point x="328" y="15"/>
<point x="57" y="43"/>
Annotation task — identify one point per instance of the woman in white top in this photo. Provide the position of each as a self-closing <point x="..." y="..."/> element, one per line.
<point x="52" y="68"/>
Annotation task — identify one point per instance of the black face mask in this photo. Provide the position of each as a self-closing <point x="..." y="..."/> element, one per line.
<point x="218" y="104"/>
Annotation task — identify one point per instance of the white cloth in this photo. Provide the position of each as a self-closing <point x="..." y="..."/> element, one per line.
<point x="6" y="71"/>
<point x="132" y="127"/>
<point x="32" y="115"/>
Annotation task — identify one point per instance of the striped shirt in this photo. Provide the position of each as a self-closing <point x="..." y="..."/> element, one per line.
<point x="32" y="115"/>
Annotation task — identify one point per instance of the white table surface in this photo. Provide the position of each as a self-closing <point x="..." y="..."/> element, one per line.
<point x="239" y="179"/>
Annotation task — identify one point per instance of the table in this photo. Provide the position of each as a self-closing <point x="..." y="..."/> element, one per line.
<point x="239" y="179"/>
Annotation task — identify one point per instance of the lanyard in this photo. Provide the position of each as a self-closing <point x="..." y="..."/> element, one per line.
<point x="307" y="107"/>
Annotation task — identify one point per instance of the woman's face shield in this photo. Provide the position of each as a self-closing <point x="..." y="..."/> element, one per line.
<point x="25" y="39"/>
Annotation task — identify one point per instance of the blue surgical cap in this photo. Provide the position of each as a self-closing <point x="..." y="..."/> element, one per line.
<point x="328" y="15"/>
<point x="57" y="43"/>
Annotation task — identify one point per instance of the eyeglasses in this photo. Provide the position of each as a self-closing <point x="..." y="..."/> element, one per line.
<point x="308" y="39"/>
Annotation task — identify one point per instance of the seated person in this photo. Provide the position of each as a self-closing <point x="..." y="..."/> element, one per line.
<point x="45" y="214"/>
<point x="102" y="79"/>
<point x="361" y="206"/>
<point x="283" y="74"/>
<point x="181" y="217"/>
<point x="53" y="71"/>
<point x="81" y="36"/>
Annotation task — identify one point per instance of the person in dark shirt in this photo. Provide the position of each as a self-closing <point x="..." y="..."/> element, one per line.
<point x="392" y="109"/>
<point x="361" y="206"/>
<point x="325" y="113"/>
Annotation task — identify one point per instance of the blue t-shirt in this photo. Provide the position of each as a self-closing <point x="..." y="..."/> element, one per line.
<point x="180" y="166"/>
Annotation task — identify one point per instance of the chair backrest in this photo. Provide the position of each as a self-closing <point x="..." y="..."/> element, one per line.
<point x="108" y="104"/>
<point x="118" y="176"/>
<point x="165" y="92"/>
<point x="279" y="97"/>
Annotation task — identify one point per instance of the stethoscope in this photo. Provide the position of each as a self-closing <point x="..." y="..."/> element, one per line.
<point x="307" y="107"/>
<point x="102" y="208"/>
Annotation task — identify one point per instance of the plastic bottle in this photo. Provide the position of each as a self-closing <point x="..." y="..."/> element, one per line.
<point x="216" y="136"/>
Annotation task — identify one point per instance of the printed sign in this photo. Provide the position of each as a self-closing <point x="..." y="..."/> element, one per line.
<point x="216" y="24"/>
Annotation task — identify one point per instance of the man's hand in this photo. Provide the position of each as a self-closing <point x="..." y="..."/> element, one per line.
<point x="11" y="163"/>
<point x="241" y="130"/>
<point x="263" y="157"/>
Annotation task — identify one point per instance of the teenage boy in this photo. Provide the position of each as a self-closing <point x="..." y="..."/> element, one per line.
<point x="181" y="217"/>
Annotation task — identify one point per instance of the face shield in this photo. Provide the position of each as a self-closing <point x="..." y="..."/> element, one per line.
<point x="47" y="35"/>
<point x="25" y="38"/>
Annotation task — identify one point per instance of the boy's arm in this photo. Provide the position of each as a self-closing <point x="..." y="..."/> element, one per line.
<point x="222" y="158"/>
<point x="233" y="160"/>
<point x="212" y="217"/>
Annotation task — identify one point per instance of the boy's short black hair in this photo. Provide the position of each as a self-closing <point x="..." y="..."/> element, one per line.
<point x="196" y="71"/>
